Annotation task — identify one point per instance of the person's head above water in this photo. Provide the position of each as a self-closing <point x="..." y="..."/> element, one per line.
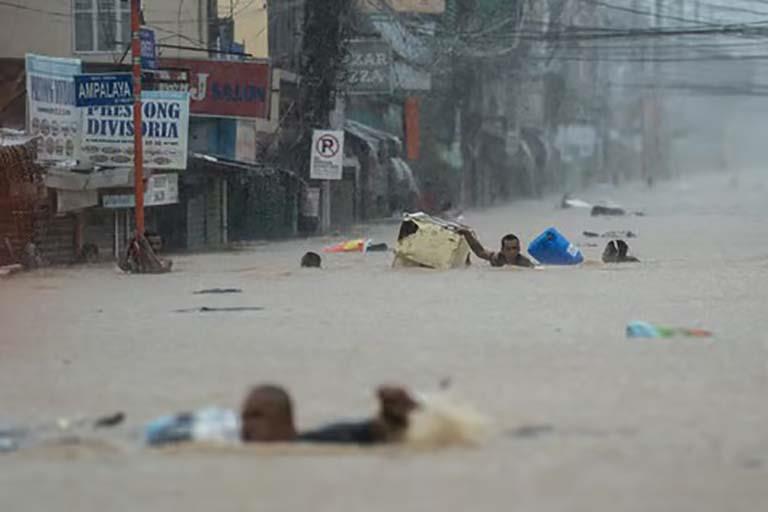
<point x="267" y="415"/>
<point x="510" y="247"/>
<point x="311" y="260"/>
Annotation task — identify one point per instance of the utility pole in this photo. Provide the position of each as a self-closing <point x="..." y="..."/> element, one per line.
<point x="644" y="103"/>
<point x="656" y="127"/>
<point x="138" y="150"/>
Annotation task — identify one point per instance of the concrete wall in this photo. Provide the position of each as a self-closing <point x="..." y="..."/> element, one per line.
<point x="47" y="27"/>
<point x="250" y="25"/>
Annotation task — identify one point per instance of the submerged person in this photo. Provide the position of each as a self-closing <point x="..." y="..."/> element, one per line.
<point x="508" y="255"/>
<point x="311" y="260"/>
<point x="266" y="416"/>
<point x="388" y="426"/>
<point x="617" y="251"/>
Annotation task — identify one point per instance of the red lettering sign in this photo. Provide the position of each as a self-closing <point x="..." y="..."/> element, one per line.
<point x="226" y="88"/>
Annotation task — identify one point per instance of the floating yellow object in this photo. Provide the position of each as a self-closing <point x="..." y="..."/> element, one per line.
<point x="430" y="242"/>
<point x="358" y="245"/>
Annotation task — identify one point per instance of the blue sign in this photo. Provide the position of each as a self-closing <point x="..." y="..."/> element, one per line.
<point x="103" y="90"/>
<point x="148" y="48"/>
<point x="236" y="51"/>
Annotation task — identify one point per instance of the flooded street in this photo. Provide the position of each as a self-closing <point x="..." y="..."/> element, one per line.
<point x="631" y="425"/>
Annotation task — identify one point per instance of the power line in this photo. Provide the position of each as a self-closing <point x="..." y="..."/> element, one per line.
<point x="172" y="34"/>
<point x="711" y="90"/>
<point x="209" y="50"/>
<point x="740" y="29"/>
<point x="4" y="3"/>
<point x="713" y="58"/>
<point x="607" y="5"/>
<point x="680" y="45"/>
<point x="730" y="8"/>
<point x="33" y="9"/>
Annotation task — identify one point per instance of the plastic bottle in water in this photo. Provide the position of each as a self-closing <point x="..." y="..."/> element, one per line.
<point x="211" y="424"/>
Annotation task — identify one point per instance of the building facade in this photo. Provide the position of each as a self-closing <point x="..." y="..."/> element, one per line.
<point x="198" y="50"/>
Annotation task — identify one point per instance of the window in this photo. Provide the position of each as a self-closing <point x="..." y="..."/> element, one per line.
<point x="102" y="25"/>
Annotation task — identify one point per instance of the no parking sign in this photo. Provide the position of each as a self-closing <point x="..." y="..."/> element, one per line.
<point x="327" y="160"/>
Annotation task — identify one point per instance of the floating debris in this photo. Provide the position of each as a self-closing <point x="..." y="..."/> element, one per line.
<point x="218" y="290"/>
<point x="208" y="309"/>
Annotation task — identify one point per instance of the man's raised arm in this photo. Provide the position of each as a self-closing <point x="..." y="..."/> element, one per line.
<point x="475" y="245"/>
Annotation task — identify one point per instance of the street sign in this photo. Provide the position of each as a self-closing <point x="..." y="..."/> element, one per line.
<point x="369" y="67"/>
<point x="103" y="90"/>
<point x="327" y="159"/>
<point x="148" y="48"/>
<point x="165" y="79"/>
<point x="162" y="189"/>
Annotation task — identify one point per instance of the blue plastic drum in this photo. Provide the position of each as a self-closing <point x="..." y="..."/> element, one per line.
<point x="552" y="248"/>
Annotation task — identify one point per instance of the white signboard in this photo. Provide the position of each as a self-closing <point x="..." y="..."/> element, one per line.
<point x="161" y="189"/>
<point x="51" y="111"/>
<point x="327" y="159"/>
<point x="107" y="138"/>
<point x="311" y="207"/>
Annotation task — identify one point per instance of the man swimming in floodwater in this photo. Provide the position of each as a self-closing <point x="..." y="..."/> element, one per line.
<point x="267" y="416"/>
<point x="508" y="255"/>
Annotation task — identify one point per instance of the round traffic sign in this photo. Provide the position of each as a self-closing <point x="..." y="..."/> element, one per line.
<point x="327" y="146"/>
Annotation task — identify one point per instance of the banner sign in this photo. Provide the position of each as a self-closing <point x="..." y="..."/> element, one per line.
<point x="165" y="80"/>
<point x="161" y="189"/>
<point x="103" y="90"/>
<point x="107" y="138"/>
<point x="369" y="67"/>
<point x="327" y="161"/>
<point x="51" y="110"/>
<point x="148" y="49"/>
<point x="226" y="88"/>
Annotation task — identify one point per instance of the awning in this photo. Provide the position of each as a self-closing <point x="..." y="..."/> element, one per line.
<point x="79" y="190"/>
<point x="121" y="177"/>
<point x="214" y="163"/>
<point x="372" y="136"/>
